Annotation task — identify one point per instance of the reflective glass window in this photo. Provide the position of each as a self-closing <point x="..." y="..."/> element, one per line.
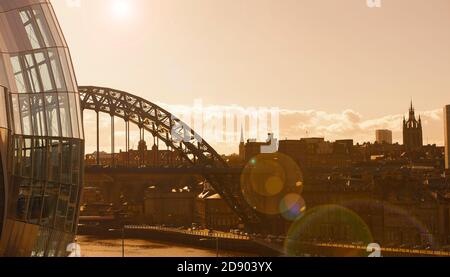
<point x="17" y="159"/>
<point x="52" y="112"/>
<point x="64" y="111"/>
<point x="66" y="162"/>
<point x="43" y="26"/>
<point x="54" y="161"/>
<point x="37" y="184"/>
<point x="44" y="70"/>
<point x="45" y="114"/>
<point x="25" y="115"/>
<point x="50" y="201"/>
<point x="70" y="218"/>
<point x="41" y="242"/>
<point x="54" y="30"/>
<point x="16" y="113"/>
<point x="39" y="159"/>
<point x="36" y="27"/>
<point x="74" y="194"/>
<point x="18" y="74"/>
<point x="23" y="199"/>
<point x="75" y="162"/>
<point x="40" y="70"/>
<point x="61" y="211"/>
<point x="52" y="246"/>
<point x="34" y="212"/>
<point x="26" y="158"/>
<point x="79" y="113"/>
<point x="38" y="115"/>
<point x="71" y="211"/>
<point x="31" y="28"/>
<point x="31" y="69"/>
<point x="74" y="110"/>
<point x="57" y="70"/>
<point x="3" y="114"/>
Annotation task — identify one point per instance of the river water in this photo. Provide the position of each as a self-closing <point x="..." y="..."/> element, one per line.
<point x="112" y="247"/>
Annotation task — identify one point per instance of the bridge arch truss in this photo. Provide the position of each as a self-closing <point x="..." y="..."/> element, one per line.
<point x="177" y="135"/>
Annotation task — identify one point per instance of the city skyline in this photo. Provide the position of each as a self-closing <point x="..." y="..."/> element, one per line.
<point x="327" y="135"/>
<point x="321" y="62"/>
<point x="346" y="125"/>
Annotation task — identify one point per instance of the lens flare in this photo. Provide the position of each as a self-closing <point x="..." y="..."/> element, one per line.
<point x="274" y="185"/>
<point x="292" y="206"/>
<point x="327" y="224"/>
<point x="267" y="180"/>
<point x="392" y="214"/>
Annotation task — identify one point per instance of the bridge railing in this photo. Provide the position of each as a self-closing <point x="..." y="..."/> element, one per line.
<point x="202" y="233"/>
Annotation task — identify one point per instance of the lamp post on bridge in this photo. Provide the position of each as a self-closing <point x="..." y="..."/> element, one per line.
<point x="122" y="230"/>
<point x="217" y="244"/>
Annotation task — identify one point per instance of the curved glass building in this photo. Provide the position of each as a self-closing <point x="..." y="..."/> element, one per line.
<point x="41" y="133"/>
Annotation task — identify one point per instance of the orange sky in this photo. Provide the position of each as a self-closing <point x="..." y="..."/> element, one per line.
<point x="339" y="67"/>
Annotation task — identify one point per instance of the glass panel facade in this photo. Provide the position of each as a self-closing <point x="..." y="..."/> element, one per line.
<point x="40" y="109"/>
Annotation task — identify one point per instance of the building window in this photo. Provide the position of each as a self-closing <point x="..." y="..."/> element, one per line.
<point x="23" y="199"/>
<point x="66" y="163"/>
<point x="38" y="71"/>
<point x="39" y="159"/>
<point x="54" y="161"/>
<point x="26" y="158"/>
<point x="61" y="211"/>
<point x="37" y="111"/>
<point x="34" y="213"/>
<point x="44" y="113"/>
<point x="50" y="200"/>
<point x="35" y="26"/>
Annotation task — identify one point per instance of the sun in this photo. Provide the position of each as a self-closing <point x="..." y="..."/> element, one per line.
<point x="122" y="8"/>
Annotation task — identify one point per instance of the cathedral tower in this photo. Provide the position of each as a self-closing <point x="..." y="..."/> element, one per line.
<point x="412" y="131"/>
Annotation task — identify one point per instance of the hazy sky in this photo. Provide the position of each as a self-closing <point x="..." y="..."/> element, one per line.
<point x="337" y="68"/>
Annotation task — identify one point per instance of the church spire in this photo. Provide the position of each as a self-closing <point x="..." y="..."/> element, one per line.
<point x="242" y="145"/>
<point x="412" y="116"/>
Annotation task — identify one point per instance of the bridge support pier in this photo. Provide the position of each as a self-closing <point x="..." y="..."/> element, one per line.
<point x="98" y="137"/>
<point x="127" y="141"/>
<point x="113" y="150"/>
<point x="142" y="135"/>
<point x="141" y="151"/>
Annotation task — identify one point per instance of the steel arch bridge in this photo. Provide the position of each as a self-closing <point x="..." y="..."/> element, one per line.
<point x="177" y="135"/>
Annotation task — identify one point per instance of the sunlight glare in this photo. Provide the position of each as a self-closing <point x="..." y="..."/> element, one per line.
<point x="122" y="8"/>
